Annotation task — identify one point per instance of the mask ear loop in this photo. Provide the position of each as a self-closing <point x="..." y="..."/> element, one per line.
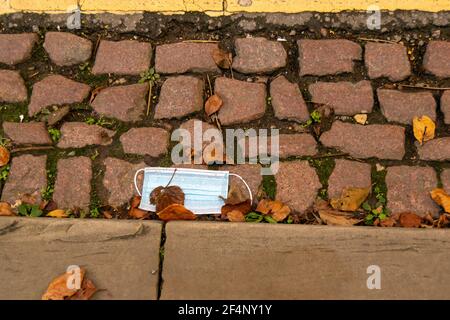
<point x="248" y="188"/>
<point x="135" y="181"/>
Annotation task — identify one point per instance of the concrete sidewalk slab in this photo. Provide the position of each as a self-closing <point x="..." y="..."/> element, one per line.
<point x="206" y="260"/>
<point x="121" y="257"/>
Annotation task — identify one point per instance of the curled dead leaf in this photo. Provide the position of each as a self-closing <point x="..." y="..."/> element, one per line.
<point x="107" y="214"/>
<point x="423" y="128"/>
<point x="163" y="197"/>
<point x="57" y="214"/>
<point x="441" y="198"/>
<point x="5" y="209"/>
<point x="236" y="216"/>
<point x="222" y="58"/>
<point x="351" y="199"/>
<point x="59" y="289"/>
<point x="360" y="118"/>
<point x="337" y="218"/>
<point x="213" y="104"/>
<point x="278" y="210"/>
<point x="410" y="220"/>
<point x="134" y="211"/>
<point x="176" y="212"/>
<point x="243" y="207"/>
<point x="4" y="156"/>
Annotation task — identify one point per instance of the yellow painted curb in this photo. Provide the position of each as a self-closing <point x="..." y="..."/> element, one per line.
<point x="217" y="7"/>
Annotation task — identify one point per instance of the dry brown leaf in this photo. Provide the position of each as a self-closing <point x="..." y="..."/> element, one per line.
<point x="58" y="290"/>
<point x="4" y="156"/>
<point x="107" y="214"/>
<point x="222" y="58"/>
<point x="337" y="218"/>
<point x="213" y="104"/>
<point x="5" y="209"/>
<point x="360" y="118"/>
<point x="176" y="212"/>
<point x="134" y="211"/>
<point x="58" y="213"/>
<point x="95" y="92"/>
<point x="244" y="207"/>
<point x="235" y="195"/>
<point x="163" y="197"/>
<point x="86" y="291"/>
<point x="388" y="222"/>
<point x="423" y="128"/>
<point x="443" y="221"/>
<point x="278" y="210"/>
<point x="31" y="199"/>
<point x="236" y="216"/>
<point x="351" y="199"/>
<point x="441" y="198"/>
<point x="410" y="220"/>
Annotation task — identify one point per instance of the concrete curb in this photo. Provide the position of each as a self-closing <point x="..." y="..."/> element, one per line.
<point x="249" y="261"/>
<point x="121" y="257"/>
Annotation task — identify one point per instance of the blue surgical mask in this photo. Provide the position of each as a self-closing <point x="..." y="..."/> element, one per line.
<point x="204" y="190"/>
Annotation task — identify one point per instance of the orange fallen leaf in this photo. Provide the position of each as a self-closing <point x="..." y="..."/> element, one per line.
<point x="337" y="218"/>
<point x="410" y="220"/>
<point x="423" y="128"/>
<point x="107" y="214"/>
<point x="213" y="104"/>
<point x="351" y="199"/>
<point x="388" y="222"/>
<point x="134" y="211"/>
<point x="222" y="58"/>
<point x="441" y="198"/>
<point x="86" y="291"/>
<point x="57" y="214"/>
<point x="4" y="156"/>
<point x="176" y="212"/>
<point x="278" y="210"/>
<point x="5" y="209"/>
<point x="243" y="207"/>
<point x="236" y="216"/>
<point x="58" y="288"/>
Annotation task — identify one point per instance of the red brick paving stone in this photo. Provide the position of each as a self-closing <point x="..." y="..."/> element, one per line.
<point x="402" y="107"/>
<point x="445" y="178"/>
<point x="27" y="132"/>
<point x="118" y="180"/>
<point x="73" y="183"/>
<point x="145" y="141"/>
<point x="126" y="103"/>
<point x="242" y="101"/>
<point x="346" y="98"/>
<point x="348" y="174"/>
<point x="127" y="57"/>
<point x="436" y="59"/>
<point x="287" y="100"/>
<point x="67" y="49"/>
<point x="16" y="48"/>
<point x="327" y="57"/>
<point x="251" y="173"/>
<point x="380" y="141"/>
<point x="189" y="126"/>
<point x="28" y="175"/>
<point x="80" y="135"/>
<point x="437" y="149"/>
<point x="445" y="106"/>
<point x="297" y="145"/>
<point x="258" y="55"/>
<point x="12" y="87"/>
<point x="56" y="90"/>
<point x="179" y="97"/>
<point x="185" y="57"/>
<point x="408" y="190"/>
<point x="387" y="60"/>
<point x="297" y="185"/>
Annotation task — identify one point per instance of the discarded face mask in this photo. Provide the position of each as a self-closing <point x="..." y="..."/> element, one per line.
<point x="204" y="190"/>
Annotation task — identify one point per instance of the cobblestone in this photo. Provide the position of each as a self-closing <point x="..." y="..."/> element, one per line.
<point x="402" y="107"/>
<point x="73" y="191"/>
<point x="27" y="133"/>
<point x="380" y="141"/>
<point x="80" y="135"/>
<point x="145" y="141"/>
<point x="345" y="98"/>
<point x="445" y="106"/>
<point x="437" y="149"/>
<point x="179" y="97"/>
<point x="435" y="60"/>
<point x="67" y="49"/>
<point x="409" y="190"/>
<point x="12" y="87"/>
<point x="287" y="100"/>
<point x="387" y="60"/>
<point x="16" y="48"/>
<point x="348" y="174"/>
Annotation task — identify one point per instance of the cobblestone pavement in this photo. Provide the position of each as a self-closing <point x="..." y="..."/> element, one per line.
<point x="75" y="112"/>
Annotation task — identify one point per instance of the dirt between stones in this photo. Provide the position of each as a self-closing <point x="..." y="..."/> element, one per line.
<point x="158" y="29"/>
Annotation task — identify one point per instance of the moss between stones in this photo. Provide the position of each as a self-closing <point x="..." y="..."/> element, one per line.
<point x="269" y="186"/>
<point x="324" y="167"/>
